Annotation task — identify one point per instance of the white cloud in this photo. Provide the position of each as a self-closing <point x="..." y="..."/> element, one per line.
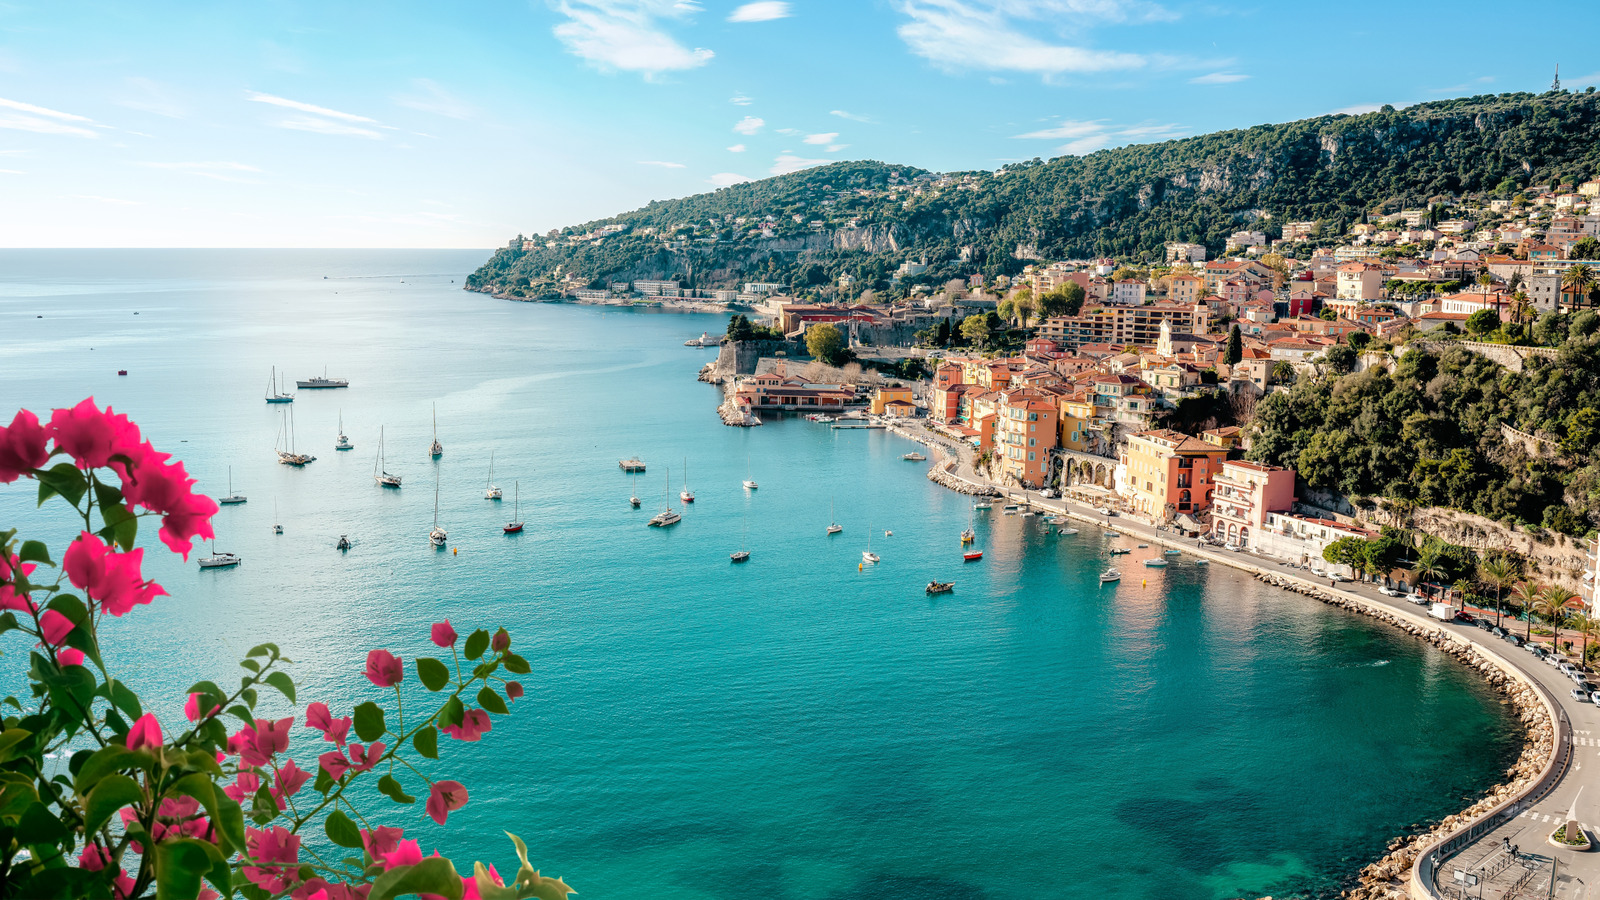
<point x="1218" y="78"/>
<point x="12" y="172"/>
<point x="1086" y="137"/>
<point x="323" y="126"/>
<point x="40" y="120"/>
<point x="725" y="179"/>
<point x="761" y="11"/>
<point x="1001" y="34"/>
<point x="787" y="163"/>
<point x="835" y="148"/>
<point x="749" y="125"/>
<point x="217" y="171"/>
<point x="736" y="148"/>
<point x="825" y="138"/>
<point x="307" y="107"/>
<point x="628" y="35"/>
<point x="740" y="100"/>
<point x="429" y="97"/>
<point x="1356" y="109"/>
<point x="657" y="162"/>
<point x="149" y="96"/>
<point x="854" y="117"/>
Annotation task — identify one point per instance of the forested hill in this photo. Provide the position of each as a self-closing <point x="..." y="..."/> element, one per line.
<point x="865" y="218"/>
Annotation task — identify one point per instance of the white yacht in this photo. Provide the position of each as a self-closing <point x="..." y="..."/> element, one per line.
<point x="686" y="495"/>
<point x="668" y="515"/>
<point x="491" y="492"/>
<point x="380" y="474"/>
<point x="833" y="526"/>
<point x="1110" y="575"/>
<point x="232" y="498"/>
<point x="219" y="560"/>
<point x="343" y="443"/>
<point x="436" y="535"/>
<point x="704" y="340"/>
<point x="286" y="450"/>
<point x="437" y="450"/>
<point x="322" y="381"/>
<point x="749" y="483"/>
<point x="274" y="394"/>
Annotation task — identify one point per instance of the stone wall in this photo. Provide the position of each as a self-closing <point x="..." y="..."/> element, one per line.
<point x="1504" y="354"/>
<point x="1552" y="558"/>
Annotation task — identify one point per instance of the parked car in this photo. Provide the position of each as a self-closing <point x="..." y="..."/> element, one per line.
<point x="1388" y="591"/>
<point x="1514" y="639"/>
<point x="1594" y="697"/>
<point x="1535" y="649"/>
<point x="1418" y="599"/>
<point x="1486" y="625"/>
<point x="1580" y="695"/>
<point x="1466" y="617"/>
<point x="1498" y="632"/>
<point x="1554" y="659"/>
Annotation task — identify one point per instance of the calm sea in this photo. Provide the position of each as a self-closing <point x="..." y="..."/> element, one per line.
<point x="693" y="730"/>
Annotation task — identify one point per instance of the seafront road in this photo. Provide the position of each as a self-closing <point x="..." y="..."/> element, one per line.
<point x="1577" y="873"/>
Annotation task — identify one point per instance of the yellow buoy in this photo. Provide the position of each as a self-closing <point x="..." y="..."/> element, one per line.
<point x="454" y="550"/>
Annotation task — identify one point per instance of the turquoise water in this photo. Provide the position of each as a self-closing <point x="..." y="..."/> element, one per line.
<point x="793" y="727"/>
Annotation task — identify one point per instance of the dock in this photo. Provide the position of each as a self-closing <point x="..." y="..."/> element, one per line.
<point x="631" y="465"/>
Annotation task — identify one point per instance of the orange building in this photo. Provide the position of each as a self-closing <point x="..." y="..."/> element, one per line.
<point x="1170" y="473"/>
<point x="1027" y="433"/>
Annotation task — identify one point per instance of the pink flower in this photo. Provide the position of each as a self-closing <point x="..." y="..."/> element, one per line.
<point x="22" y="447"/>
<point x="384" y="669"/>
<point x="316" y="888"/>
<point x="94" y="857"/>
<point x="469" y="885"/>
<point x="54" y="627"/>
<point x="146" y="732"/>
<point x="192" y="520"/>
<point x="11" y="568"/>
<point x="405" y="853"/>
<point x="381" y="840"/>
<point x="149" y="481"/>
<point x="443" y="634"/>
<point x="473" y="726"/>
<point x="335" y="730"/>
<point x="255" y="745"/>
<point x="191" y="709"/>
<point x="501" y="642"/>
<point x="334" y="763"/>
<point x="112" y="578"/>
<point x="243" y="787"/>
<point x="269" y="846"/>
<point x="364" y="759"/>
<point x="68" y="656"/>
<point x="90" y="436"/>
<point x="123" y="886"/>
<point x="288" y="780"/>
<point x="445" y="798"/>
<point x="513" y="690"/>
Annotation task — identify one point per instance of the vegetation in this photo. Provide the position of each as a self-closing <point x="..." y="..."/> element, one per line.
<point x="1125" y="202"/>
<point x="827" y="343"/>
<point x="740" y="329"/>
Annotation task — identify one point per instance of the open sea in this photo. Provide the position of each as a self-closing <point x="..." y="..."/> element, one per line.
<point x="694" y="730"/>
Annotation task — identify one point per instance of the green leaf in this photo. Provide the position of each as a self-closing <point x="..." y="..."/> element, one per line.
<point x="434" y="674"/>
<point x="264" y="650"/>
<point x="230" y="819"/>
<point x="249" y="695"/>
<point x="342" y="831"/>
<point x="121" y="526"/>
<point x="427" y="742"/>
<point x="250" y="664"/>
<point x="106" y="494"/>
<point x="452" y="712"/>
<point x="324" y="782"/>
<point x="40" y="826"/>
<point x="434" y="875"/>
<point x="122" y="697"/>
<point x="516" y="664"/>
<point x="108" y="759"/>
<point x="239" y="712"/>
<point x="65" y="479"/>
<point x="529" y="882"/>
<point x="10" y="738"/>
<point x="491" y="701"/>
<point x="477" y="642"/>
<point x="369" y="721"/>
<point x="112" y="793"/>
<point x="180" y="866"/>
<point x="283" y="683"/>
<point x="35" y="551"/>
<point x="390" y="786"/>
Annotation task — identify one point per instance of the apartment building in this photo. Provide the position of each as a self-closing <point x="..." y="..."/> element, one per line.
<point x="1169" y="473"/>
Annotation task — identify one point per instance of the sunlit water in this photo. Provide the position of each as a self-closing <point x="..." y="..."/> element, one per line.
<point x="792" y="727"/>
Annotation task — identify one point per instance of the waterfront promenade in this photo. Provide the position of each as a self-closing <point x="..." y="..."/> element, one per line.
<point x="1526" y="824"/>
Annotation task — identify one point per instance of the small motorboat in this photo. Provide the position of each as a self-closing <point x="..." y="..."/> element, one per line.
<point x="1053" y="520"/>
<point x="633" y="502"/>
<point x="968" y="536"/>
<point x="1172" y="551"/>
<point x="868" y="556"/>
<point x="1118" y="551"/>
<point x="1009" y="507"/>
<point x="750" y="485"/>
<point x="739" y="556"/>
<point x="826" y="419"/>
<point x="1110" y="575"/>
<point x="983" y="504"/>
<point x="1067" y="531"/>
<point x="1143" y="546"/>
<point x="973" y="556"/>
<point x="888" y="533"/>
<point x="277" y="529"/>
<point x="941" y="587"/>
<point x="913" y="457"/>
<point x="124" y="371"/>
<point x="344" y="543"/>
<point x="1202" y="562"/>
<point x="1155" y="562"/>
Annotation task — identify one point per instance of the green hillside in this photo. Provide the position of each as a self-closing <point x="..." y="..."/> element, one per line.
<point x="1124" y="202"/>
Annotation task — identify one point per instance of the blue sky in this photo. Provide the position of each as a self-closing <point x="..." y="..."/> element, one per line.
<point x="411" y="124"/>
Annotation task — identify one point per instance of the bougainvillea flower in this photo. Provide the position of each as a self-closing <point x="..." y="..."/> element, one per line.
<point x="273" y="737"/>
<point x="69" y="656"/>
<point x="362" y="759"/>
<point x="513" y="690"/>
<point x="443" y="635"/>
<point x="92" y="437"/>
<point x="146" y="732"/>
<point x="191" y="708"/>
<point x="94" y="858"/>
<point x="180" y="527"/>
<point x="123" y="886"/>
<point x="22" y="447"/>
<point x="501" y="642"/>
<point x="444" y="798"/>
<point x="469" y="884"/>
<point x="381" y="840"/>
<point x="10" y="568"/>
<point x="405" y="853"/>
<point x="148" y="480"/>
<point x="384" y="669"/>
<point x="335" y="730"/>
<point x="334" y="763"/>
<point x="287" y="780"/>
<point x="474" y="723"/>
<point x="268" y="847"/>
<point x="109" y="577"/>
<point x="243" y="787"/>
<point x="54" y="627"/>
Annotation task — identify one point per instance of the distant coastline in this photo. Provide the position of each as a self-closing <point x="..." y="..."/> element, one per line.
<point x="671" y="304"/>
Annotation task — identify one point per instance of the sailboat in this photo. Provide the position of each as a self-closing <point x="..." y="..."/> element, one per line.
<point x="274" y="395"/>
<point x="668" y="515"/>
<point x="437" y="450"/>
<point x="633" y="499"/>
<point x="515" y="525"/>
<point x="867" y="555"/>
<point x="833" y="526"/>
<point x="343" y="443"/>
<point x="491" y="492"/>
<point x="436" y="535"/>
<point x="277" y="528"/>
<point x="288" y="456"/>
<point x="219" y="560"/>
<point x="749" y="483"/>
<point x="380" y="473"/>
<point x="742" y="554"/>
<point x="686" y="495"/>
<point x="232" y="498"/>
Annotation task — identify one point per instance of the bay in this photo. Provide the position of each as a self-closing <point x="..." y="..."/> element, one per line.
<point x="797" y="726"/>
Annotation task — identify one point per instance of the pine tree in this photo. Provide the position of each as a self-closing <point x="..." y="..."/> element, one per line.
<point x="1235" y="346"/>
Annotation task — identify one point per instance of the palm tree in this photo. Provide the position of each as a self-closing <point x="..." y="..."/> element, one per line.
<point x="1552" y="610"/>
<point x="1428" y="569"/>
<point x="1580" y="622"/>
<point x="1497" y="572"/>
<point x="1578" y="281"/>
<point x="1564" y="600"/>
<point x="1526" y="595"/>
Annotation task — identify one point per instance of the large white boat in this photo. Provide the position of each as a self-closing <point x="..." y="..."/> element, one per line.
<point x="274" y="394"/>
<point x="491" y="492"/>
<point x="232" y="498"/>
<point x="286" y="450"/>
<point x="668" y="515"/>
<point x="380" y="473"/>
<point x="219" y="560"/>
<point x="704" y="340"/>
<point x="322" y="381"/>
<point x="437" y="450"/>
<point x="343" y="443"/>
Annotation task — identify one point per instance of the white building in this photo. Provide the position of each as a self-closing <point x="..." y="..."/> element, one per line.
<point x="1180" y="252"/>
<point x="1128" y="292"/>
<point x="1242" y="239"/>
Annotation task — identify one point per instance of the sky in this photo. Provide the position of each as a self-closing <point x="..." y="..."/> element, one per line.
<point x="462" y="124"/>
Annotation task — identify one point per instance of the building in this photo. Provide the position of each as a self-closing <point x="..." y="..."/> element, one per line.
<point x="776" y="390"/>
<point x="1119" y="325"/>
<point x="656" y="288"/>
<point x="1359" y="281"/>
<point x="1184" y="289"/>
<point x="1179" y="252"/>
<point x="1026" y="435"/>
<point x="1301" y="540"/>
<point x="1246" y="492"/>
<point x="1169" y="474"/>
<point x="762" y="288"/>
<point x="1239" y="240"/>
<point x="1128" y="292"/>
<point x="1299" y="231"/>
<point x="883" y="396"/>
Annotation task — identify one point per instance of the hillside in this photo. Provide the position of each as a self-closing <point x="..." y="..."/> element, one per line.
<point x="865" y="218"/>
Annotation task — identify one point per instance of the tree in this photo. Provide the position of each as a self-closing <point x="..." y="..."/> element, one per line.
<point x="826" y="342"/>
<point x="1346" y="551"/>
<point x="1578" y="281"/>
<point x="1340" y="359"/>
<point x="1358" y="340"/>
<point x="1429" y="569"/>
<point x="1235" y="347"/>
<point x="1526" y="597"/>
<point x="975" y="328"/>
<point x="1007" y="309"/>
<point x="1283" y="372"/>
<point x="1066" y="300"/>
<point x="1024" y="306"/>
<point x="1498" y="573"/>
<point x="1580" y="622"/>
<point x="1482" y="322"/>
<point x="739" y="328"/>
<point x="1552" y="607"/>
<point x="944" y="332"/>
<point x="1328" y="314"/>
<point x="1586" y="248"/>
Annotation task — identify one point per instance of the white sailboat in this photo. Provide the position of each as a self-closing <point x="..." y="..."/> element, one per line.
<point x="515" y="525"/>
<point x="686" y="495"/>
<point x="286" y="450"/>
<point x="833" y="526"/>
<point x="277" y="528"/>
<point x="219" y="560"/>
<point x="668" y="515"/>
<point x="274" y="395"/>
<point x="749" y="483"/>
<point x="437" y="450"/>
<point x="491" y="492"/>
<point x="867" y="556"/>
<point x="380" y="473"/>
<point x="742" y="554"/>
<point x="343" y="443"/>
<point x="436" y="535"/>
<point x="232" y="498"/>
<point x="633" y="499"/>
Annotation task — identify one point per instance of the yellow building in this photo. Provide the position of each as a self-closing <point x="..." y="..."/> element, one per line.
<point x="1076" y="411"/>
<point x="1170" y="474"/>
<point x="882" y="397"/>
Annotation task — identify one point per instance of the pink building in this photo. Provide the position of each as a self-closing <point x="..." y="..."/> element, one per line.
<point x="1245" y="494"/>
